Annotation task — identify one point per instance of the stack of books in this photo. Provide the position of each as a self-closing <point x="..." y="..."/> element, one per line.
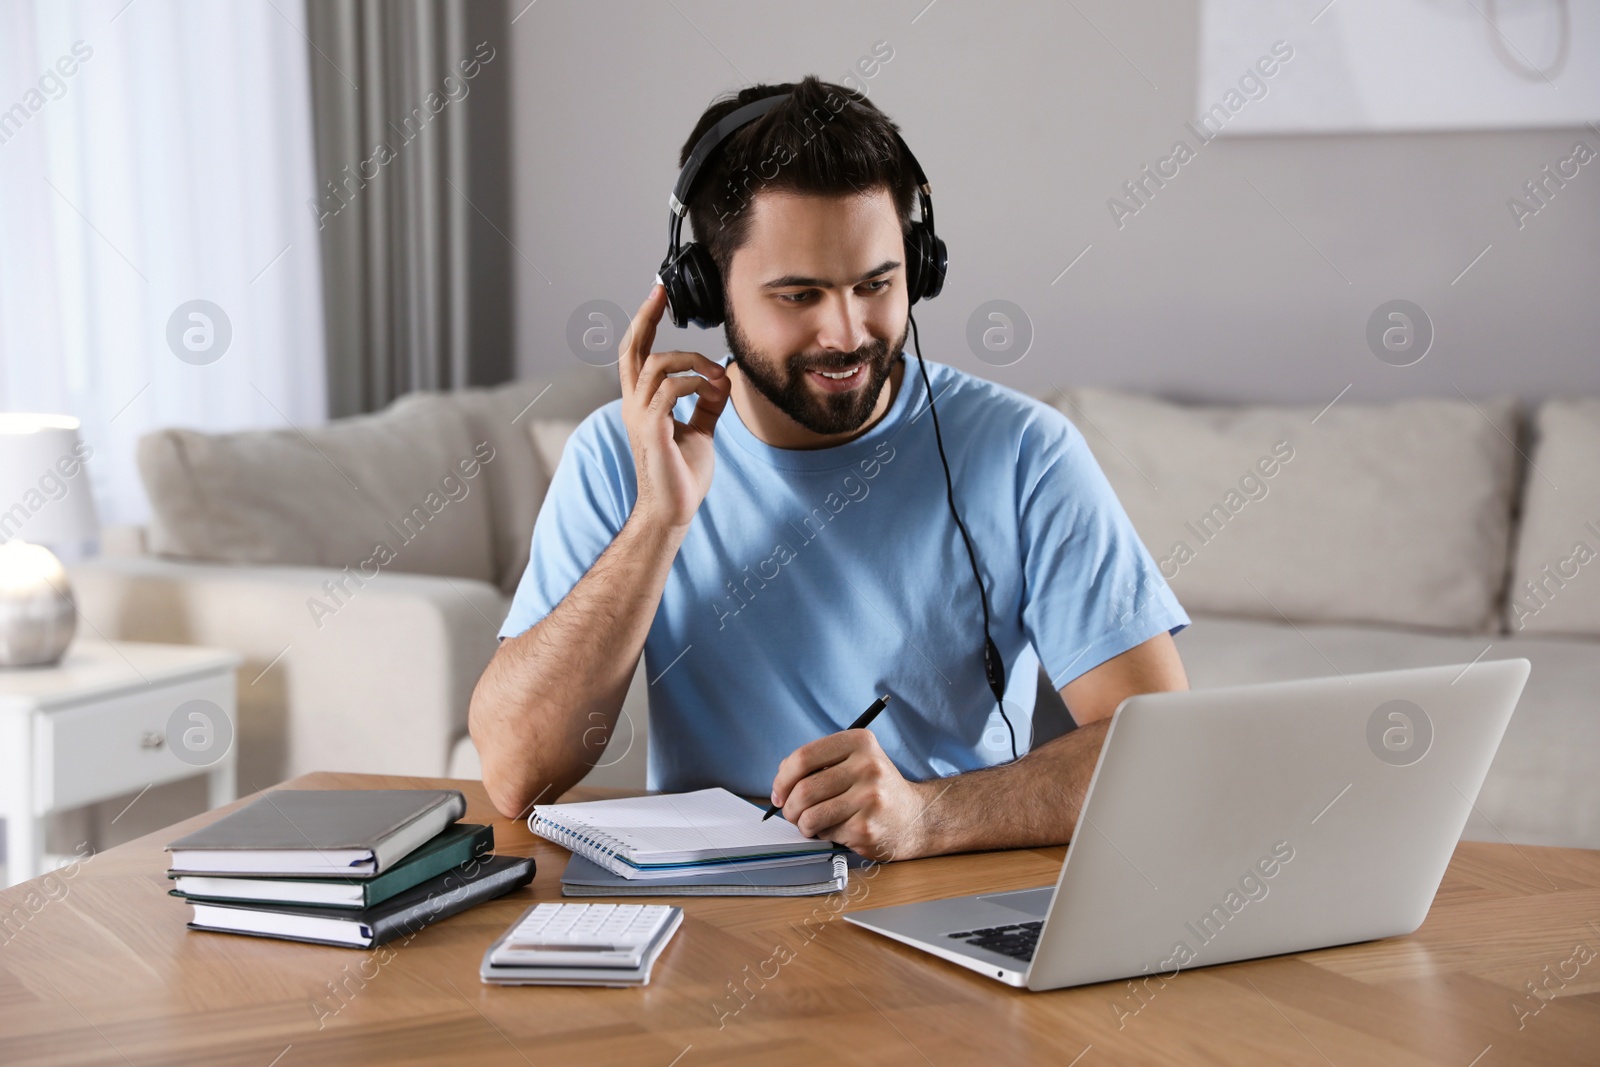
<point x="705" y="843"/>
<point x="344" y="867"/>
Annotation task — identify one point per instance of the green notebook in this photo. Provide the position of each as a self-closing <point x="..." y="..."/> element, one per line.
<point x="455" y="846"/>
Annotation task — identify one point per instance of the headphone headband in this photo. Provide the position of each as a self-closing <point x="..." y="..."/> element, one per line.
<point x="678" y="199"/>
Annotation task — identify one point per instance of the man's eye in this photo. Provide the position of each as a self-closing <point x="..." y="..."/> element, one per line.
<point x="803" y="297"/>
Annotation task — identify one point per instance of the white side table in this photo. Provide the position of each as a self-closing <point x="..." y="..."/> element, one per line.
<point x="106" y="721"/>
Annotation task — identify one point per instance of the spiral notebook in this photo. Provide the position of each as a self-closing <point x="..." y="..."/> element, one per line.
<point x="636" y="837"/>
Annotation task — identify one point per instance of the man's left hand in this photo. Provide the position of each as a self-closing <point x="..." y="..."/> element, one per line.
<point x="843" y="788"/>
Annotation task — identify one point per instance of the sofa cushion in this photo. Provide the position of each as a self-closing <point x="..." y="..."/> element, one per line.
<point x="401" y="489"/>
<point x="549" y="440"/>
<point x="512" y="481"/>
<point x="1396" y="513"/>
<point x="1555" y="584"/>
<point x="518" y="477"/>
<point x="1541" y="789"/>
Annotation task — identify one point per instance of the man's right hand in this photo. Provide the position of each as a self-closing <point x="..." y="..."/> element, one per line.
<point x="673" y="460"/>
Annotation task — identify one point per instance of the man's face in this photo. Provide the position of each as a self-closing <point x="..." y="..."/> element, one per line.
<point x="818" y="289"/>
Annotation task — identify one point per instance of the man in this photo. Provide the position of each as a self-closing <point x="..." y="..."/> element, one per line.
<point x="773" y="534"/>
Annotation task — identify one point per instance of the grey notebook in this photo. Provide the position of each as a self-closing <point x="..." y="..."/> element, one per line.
<point x="353" y="833"/>
<point x="825" y="874"/>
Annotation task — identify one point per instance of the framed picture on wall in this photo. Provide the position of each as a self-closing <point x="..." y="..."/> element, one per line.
<point x="1327" y="66"/>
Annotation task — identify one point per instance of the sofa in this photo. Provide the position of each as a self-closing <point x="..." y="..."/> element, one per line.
<point x="1324" y="541"/>
<point x="363" y="568"/>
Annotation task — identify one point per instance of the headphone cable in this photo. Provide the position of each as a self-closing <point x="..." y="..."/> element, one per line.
<point x="993" y="666"/>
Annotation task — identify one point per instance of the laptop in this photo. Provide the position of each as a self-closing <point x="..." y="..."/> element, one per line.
<point x="1229" y="824"/>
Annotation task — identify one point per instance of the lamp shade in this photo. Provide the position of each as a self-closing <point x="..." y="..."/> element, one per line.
<point x="44" y="486"/>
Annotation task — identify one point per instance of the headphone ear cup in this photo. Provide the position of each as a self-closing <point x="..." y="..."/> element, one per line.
<point x="926" y="263"/>
<point x="694" y="287"/>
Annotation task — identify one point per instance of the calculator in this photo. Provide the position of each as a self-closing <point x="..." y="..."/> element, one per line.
<point x="581" y="944"/>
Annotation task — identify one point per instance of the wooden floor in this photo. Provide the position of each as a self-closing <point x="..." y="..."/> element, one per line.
<point x="98" y="968"/>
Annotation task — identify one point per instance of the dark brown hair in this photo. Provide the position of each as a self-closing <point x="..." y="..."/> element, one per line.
<point x="825" y="140"/>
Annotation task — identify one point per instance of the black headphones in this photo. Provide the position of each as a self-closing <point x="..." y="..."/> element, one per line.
<point x="690" y="276"/>
<point x="695" y="294"/>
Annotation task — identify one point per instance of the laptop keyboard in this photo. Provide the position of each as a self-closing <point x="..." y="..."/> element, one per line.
<point x="1017" y="941"/>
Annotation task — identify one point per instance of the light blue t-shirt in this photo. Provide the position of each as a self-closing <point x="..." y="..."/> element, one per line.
<point x="811" y="581"/>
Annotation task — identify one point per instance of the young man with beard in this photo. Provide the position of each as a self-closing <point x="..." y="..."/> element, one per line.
<point x="768" y="612"/>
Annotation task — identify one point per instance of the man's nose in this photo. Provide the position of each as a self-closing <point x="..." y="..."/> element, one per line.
<point x="844" y="324"/>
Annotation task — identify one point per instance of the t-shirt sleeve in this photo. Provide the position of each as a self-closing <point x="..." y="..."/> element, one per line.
<point x="1092" y="589"/>
<point x="583" y="511"/>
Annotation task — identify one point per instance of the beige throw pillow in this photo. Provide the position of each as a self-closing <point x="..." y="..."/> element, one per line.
<point x="516" y="480"/>
<point x="549" y="440"/>
<point x="1396" y="513"/>
<point x="519" y="478"/>
<point x="402" y="489"/>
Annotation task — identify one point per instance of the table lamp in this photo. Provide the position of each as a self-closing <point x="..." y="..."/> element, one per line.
<point x="44" y="499"/>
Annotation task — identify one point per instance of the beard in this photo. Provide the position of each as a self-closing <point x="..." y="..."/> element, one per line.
<point x="785" y="385"/>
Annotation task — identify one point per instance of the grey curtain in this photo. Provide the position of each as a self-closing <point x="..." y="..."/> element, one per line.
<point x="410" y="105"/>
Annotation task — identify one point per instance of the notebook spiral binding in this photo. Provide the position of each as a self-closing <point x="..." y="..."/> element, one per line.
<point x="591" y="844"/>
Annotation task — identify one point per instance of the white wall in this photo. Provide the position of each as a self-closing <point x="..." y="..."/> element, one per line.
<point x="1028" y="120"/>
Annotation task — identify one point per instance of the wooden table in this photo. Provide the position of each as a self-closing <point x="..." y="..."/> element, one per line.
<point x="98" y="968"/>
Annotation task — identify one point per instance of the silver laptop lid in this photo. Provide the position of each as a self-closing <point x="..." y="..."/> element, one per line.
<point x="1226" y="824"/>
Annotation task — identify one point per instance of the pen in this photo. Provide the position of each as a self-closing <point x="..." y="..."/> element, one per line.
<point x="862" y="722"/>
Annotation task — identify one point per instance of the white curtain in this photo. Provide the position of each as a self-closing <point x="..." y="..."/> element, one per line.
<point x="155" y="153"/>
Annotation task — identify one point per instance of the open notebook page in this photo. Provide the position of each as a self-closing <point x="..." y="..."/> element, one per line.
<point x="679" y="827"/>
